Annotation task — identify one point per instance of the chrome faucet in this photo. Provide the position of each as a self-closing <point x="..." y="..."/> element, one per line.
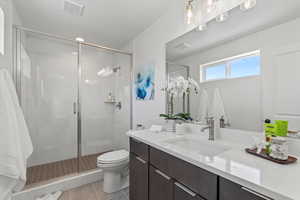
<point x="222" y="123"/>
<point x="211" y="128"/>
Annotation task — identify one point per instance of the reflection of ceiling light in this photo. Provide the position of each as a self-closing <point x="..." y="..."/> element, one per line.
<point x="248" y="4"/>
<point x="222" y="17"/>
<point x="210" y="5"/>
<point x="79" y="39"/>
<point x="74" y="53"/>
<point x="189" y="12"/>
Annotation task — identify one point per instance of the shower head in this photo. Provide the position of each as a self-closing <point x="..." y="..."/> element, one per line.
<point x="107" y="71"/>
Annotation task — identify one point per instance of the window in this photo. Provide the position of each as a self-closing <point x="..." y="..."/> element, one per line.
<point x="1" y="31"/>
<point x="234" y="67"/>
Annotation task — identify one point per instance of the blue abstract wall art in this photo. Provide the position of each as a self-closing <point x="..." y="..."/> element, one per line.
<point x="144" y="82"/>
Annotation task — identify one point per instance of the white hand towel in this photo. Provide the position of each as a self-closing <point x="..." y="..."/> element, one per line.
<point x="203" y="106"/>
<point x="218" y="109"/>
<point x="15" y="143"/>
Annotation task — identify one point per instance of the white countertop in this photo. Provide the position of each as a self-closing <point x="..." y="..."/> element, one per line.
<point x="280" y="182"/>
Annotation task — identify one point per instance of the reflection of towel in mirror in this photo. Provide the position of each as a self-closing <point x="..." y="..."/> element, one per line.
<point x="217" y="108"/>
<point x="15" y="142"/>
<point x="203" y="106"/>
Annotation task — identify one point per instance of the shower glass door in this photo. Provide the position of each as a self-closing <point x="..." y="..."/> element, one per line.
<point x="105" y="96"/>
<point x="47" y="83"/>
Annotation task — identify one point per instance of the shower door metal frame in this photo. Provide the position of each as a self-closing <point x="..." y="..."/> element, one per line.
<point x="17" y="74"/>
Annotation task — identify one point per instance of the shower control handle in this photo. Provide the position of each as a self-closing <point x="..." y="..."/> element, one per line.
<point x="75" y="108"/>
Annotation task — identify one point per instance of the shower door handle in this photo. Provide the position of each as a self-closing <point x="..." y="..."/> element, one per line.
<point x="75" y="108"/>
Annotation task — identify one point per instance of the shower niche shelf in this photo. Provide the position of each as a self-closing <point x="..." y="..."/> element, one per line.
<point x="111" y="102"/>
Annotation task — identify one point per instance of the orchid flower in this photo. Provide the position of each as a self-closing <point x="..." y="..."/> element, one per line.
<point x="179" y="86"/>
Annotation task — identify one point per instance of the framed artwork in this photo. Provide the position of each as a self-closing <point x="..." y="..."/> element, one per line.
<point x="144" y="82"/>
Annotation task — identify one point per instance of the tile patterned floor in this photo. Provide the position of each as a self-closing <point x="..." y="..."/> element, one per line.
<point x="93" y="191"/>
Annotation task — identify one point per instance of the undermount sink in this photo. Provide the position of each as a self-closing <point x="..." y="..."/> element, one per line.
<point x="205" y="148"/>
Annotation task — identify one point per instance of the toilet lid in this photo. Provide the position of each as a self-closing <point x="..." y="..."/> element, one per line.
<point x="113" y="157"/>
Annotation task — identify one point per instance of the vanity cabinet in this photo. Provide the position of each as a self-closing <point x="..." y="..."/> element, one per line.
<point x="139" y="169"/>
<point x="160" y="185"/>
<point x="183" y="193"/>
<point x="139" y="148"/>
<point x="139" y="178"/>
<point x="229" y="191"/>
<point x="198" y="180"/>
<point x="156" y="175"/>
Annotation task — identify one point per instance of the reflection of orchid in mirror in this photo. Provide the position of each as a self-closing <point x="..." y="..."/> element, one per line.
<point x="180" y="86"/>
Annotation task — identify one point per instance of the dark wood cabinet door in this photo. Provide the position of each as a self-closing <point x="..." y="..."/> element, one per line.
<point x="199" y="180"/>
<point x="139" y="148"/>
<point x="161" y="185"/>
<point x="183" y="193"/>
<point x="231" y="191"/>
<point x="139" y="178"/>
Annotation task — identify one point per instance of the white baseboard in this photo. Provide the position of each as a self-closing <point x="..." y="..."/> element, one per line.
<point x="60" y="185"/>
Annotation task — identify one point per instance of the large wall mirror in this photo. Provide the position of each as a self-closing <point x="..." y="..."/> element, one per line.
<point x="247" y="67"/>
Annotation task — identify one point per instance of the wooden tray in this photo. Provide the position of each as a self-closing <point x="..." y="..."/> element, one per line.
<point x="264" y="155"/>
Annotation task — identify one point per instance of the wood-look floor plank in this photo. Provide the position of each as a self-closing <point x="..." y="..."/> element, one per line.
<point x="45" y="172"/>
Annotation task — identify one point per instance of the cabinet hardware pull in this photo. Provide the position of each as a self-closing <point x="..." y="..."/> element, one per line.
<point x="257" y="194"/>
<point x="162" y="174"/>
<point x="185" y="189"/>
<point x="141" y="160"/>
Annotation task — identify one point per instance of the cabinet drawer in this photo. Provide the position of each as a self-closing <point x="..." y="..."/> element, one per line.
<point x="229" y="191"/>
<point x="161" y="185"/>
<point x="160" y="160"/>
<point x="198" y="180"/>
<point x="183" y="193"/>
<point x="139" y="148"/>
<point x="138" y="189"/>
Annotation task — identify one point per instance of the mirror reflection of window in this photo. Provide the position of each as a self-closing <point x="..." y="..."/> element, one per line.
<point x="234" y="67"/>
<point x="1" y="31"/>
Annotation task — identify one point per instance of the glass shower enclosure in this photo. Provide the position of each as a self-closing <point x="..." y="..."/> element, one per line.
<point x="76" y="99"/>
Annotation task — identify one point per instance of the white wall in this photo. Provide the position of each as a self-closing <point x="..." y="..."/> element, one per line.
<point x="149" y="47"/>
<point x="11" y="17"/>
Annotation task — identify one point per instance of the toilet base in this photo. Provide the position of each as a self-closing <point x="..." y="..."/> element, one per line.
<point x="114" y="182"/>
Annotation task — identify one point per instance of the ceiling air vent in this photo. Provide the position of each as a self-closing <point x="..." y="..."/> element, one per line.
<point x="73" y="8"/>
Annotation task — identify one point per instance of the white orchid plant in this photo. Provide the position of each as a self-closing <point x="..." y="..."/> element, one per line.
<point x="179" y="87"/>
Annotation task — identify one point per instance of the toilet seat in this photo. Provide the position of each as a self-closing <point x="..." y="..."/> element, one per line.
<point x="113" y="157"/>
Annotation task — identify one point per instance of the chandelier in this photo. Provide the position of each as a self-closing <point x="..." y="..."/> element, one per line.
<point x="196" y="9"/>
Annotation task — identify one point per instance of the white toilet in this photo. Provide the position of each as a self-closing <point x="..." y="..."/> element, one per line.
<point x="115" y="170"/>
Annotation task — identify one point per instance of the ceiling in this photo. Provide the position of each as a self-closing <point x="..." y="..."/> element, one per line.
<point x="107" y="22"/>
<point x="266" y="14"/>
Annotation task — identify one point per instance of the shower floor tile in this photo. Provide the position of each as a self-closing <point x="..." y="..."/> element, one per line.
<point x="42" y="173"/>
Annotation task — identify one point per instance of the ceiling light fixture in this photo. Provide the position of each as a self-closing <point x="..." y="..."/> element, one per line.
<point x="189" y="11"/>
<point x="79" y="39"/>
<point x="202" y="27"/>
<point x="247" y="5"/>
<point x="211" y="5"/>
<point x="222" y="17"/>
